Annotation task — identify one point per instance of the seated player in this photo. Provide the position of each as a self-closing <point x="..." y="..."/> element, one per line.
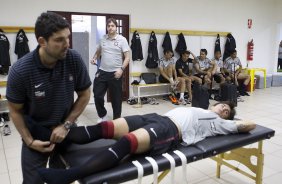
<point x="150" y="133"/>
<point x="203" y="67"/>
<point x="168" y="75"/>
<point x="183" y="71"/>
<point x="218" y="74"/>
<point x="229" y="64"/>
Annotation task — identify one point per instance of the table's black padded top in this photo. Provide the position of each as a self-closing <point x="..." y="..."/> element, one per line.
<point x="126" y="171"/>
<point x="214" y="145"/>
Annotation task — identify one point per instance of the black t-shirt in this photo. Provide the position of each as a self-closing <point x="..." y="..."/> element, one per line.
<point x="4" y="50"/>
<point x="180" y="64"/>
<point x="47" y="94"/>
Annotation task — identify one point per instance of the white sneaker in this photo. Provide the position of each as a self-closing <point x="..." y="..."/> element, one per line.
<point x="2" y="122"/>
<point x="102" y="119"/>
<point x="182" y="101"/>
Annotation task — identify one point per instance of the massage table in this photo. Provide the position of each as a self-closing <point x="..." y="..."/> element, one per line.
<point x="219" y="148"/>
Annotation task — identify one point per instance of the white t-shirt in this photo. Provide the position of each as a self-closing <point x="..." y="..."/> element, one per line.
<point x="112" y="52"/>
<point x="163" y="62"/>
<point x="196" y="124"/>
<point x="219" y="64"/>
<point x="230" y="62"/>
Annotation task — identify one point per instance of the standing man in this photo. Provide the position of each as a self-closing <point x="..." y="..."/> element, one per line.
<point x="40" y="93"/>
<point x="114" y="52"/>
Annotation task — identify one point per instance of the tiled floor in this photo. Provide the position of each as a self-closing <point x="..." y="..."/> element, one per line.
<point x="264" y="107"/>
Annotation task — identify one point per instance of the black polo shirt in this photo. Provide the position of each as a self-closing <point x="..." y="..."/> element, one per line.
<point x="180" y="64"/>
<point x="47" y="94"/>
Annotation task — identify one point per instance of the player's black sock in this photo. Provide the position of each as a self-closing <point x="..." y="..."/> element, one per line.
<point x="86" y="134"/>
<point x="100" y="161"/>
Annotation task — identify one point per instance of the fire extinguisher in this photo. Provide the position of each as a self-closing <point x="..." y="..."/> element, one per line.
<point x="250" y="50"/>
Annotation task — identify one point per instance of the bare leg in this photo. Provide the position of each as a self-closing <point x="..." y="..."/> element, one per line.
<point x="188" y="81"/>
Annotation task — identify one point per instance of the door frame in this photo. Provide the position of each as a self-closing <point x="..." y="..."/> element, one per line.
<point x="125" y="33"/>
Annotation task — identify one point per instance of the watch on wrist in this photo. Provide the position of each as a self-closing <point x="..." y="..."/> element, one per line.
<point x="122" y="68"/>
<point x="68" y="125"/>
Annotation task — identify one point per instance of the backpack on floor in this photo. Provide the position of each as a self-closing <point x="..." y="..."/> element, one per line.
<point x="228" y="92"/>
<point x="200" y="97"/>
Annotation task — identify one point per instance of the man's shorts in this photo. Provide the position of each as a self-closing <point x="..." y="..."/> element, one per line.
<point x="163" y="132"/>
<point x="217" y="77"/>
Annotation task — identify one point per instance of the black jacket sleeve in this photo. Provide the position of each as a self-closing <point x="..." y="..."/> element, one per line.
<point x="167" y="42"/>
<point x="136" y="47"/>
<point x="153" y="55"/>
<point x="21" y="47"/>
<point x="181" y="44"/>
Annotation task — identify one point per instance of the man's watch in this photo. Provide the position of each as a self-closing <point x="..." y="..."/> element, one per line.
<point x="122" y="68"/>
<point x="68" y="125"/>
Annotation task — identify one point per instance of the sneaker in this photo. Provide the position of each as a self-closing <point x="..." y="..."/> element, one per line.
<point x="246" y="94"/>
<point x="2" y="122"/>
<point x="239" y="99"/>
<point x="188" y="101"/>
<point x="102" y="119"/>
<point x="6" y="130"/>
<point x="182" y="101"/>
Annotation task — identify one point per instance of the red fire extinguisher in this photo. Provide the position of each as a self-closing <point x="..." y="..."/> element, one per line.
<point x="250" y="50"/>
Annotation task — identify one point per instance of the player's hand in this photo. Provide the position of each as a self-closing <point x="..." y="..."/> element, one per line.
<point x="93" y="61"/>
<point x="42" y="146"/>
<point x="58" y="134"/>
<point x="118" y="73"/>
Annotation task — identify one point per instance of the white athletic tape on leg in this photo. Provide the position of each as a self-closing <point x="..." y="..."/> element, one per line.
<point x="140" y="170"/>
<point x="172" y="166"/>
<point x="155" y="168"/>
<point x="184" y="163"/>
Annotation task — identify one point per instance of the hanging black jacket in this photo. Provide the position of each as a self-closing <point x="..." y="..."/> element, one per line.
<point x="4" y="50"/>
<point x="230" y="45"/>
<point x="167" y="42"/>
<point x="153" y="55"/>
<point x="181" y="44"/>
<point x="136" y="47"/>
<point x="217" y="44"/>
<point x="21" y="47"/>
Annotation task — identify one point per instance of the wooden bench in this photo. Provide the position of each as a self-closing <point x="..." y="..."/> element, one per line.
<point x="137" y="89"/>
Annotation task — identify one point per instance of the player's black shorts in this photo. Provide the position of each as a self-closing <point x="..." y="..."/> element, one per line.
<point x="163" y="132"/>
<point x="163" y="80"/>
<point x="217" y="77"/>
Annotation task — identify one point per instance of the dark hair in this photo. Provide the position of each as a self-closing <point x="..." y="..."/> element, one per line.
<point x="48" y="23"/>
<point x="232" y="112"/>
<point x="204" y="50"/>
<point x="185" y="52"/>
<point x="109" y="20"/>
<point x="217" y="51"/>
<point x="167" y="51"/>
<point x="233" y="51"/>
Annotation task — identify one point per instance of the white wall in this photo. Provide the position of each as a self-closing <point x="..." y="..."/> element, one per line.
<point x="204" y="15"/>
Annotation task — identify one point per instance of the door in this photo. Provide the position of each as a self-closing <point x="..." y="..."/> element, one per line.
<point x="123" y="29"/>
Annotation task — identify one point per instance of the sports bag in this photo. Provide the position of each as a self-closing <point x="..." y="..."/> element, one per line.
<point x="149" y="78"/>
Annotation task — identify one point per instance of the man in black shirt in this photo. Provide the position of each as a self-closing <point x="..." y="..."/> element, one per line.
<point x="183" y="70"/>
<point x="40" y="93"/>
